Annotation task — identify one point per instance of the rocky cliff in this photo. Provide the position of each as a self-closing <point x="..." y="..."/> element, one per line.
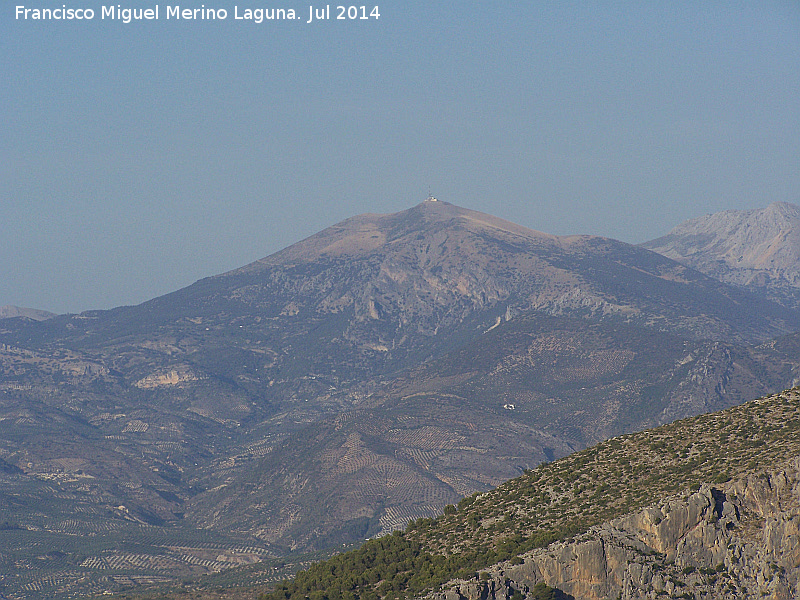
<point x="737" y="540"/>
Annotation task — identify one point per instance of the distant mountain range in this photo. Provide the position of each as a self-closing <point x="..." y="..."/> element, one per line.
<point x="361" y="378"/>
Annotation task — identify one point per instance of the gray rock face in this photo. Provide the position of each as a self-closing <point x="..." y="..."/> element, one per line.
<point x="758" y="249"/>
<point x="733" y="541"/>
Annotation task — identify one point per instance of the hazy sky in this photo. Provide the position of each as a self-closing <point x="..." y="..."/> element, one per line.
<point x="137" y="158"/>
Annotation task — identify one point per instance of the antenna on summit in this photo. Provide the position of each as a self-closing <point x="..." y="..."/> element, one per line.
<point x="430" y="197"/>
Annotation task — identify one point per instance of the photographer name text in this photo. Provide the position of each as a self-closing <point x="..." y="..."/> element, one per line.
<point x="175" y="12"/>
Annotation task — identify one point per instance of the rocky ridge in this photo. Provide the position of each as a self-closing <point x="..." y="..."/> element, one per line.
<point x="731" y="541"/>
<point x="757" y="249"/>
<point x="9" y="312"/>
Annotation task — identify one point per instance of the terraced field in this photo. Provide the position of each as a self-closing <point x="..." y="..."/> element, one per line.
<point x="98" y="563"/>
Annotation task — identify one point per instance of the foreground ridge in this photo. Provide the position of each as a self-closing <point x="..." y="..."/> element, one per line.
<point x="703" y="507"/>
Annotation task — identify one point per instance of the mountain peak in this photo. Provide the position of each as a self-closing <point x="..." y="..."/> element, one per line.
<point x="368" y="232"/>
<point x="763" y="223"/>
<point x="759" y="247"/>
<point x="9" y="312"/>
<point x="784" y="209"/>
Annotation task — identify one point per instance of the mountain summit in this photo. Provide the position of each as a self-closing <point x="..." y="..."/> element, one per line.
<point x="758" y="249"/>
<point x="364" y="234"/>
<point x="9" y="312"/>
<point x="426" y="269"/>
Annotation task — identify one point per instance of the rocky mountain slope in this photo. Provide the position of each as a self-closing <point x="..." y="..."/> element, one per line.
<point x="366" y="376"/>
<point x="9" y="312"/>
<point x="530" y="391"/>
<point x="732" y="541"/>
<point x="702" y="508"/>
<point x="756" y="249"/>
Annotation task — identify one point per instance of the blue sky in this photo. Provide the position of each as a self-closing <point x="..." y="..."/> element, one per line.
<point x="137" y="158"/>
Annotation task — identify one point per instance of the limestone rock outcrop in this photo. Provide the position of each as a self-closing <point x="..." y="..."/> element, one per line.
<point x="731" y="541"/>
